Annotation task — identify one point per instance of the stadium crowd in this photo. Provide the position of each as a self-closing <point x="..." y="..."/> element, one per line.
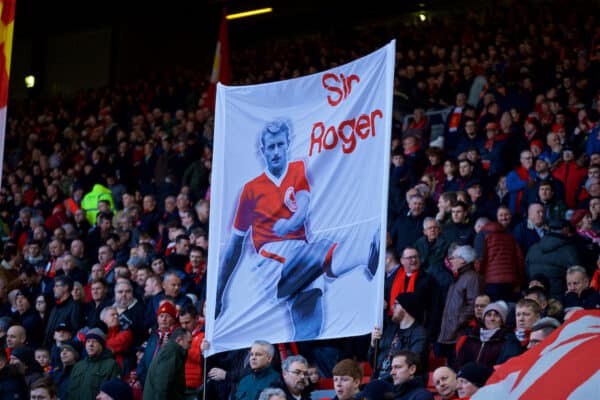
<point x="493" y="225"/>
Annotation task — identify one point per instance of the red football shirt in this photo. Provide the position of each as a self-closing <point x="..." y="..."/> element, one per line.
<point x="263" y="202"/>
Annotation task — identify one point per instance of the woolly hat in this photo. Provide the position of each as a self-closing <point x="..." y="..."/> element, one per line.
<point x="24" y="354"/>
<point x="117" y="389"/>
<point x="500" y="307"/>
<point x="96" y="333"/>
<point x="577" y="216"/>
<point x="167" y="307"/>
<point x="73" y="345"/>
<point x="410" y="303"/>
<point x="475" y="373"/>
<point x="375" y="390"/>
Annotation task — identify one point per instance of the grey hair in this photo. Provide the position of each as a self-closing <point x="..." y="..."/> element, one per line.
<point x="267" y="345"/>
<point x="292" y="359"/>
<point x="105" y="310"/>
<point x="577" y="268"/>
<point x="466" y="252"/>
<point x="428" y="220"/>
<point x="481" y="221"/>
<point x="270" y="392"/>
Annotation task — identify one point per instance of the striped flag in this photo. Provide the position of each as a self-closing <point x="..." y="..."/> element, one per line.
<point x="564" y="366"/>
<point x="221" y="69"/>
<point x="7" y="17"/>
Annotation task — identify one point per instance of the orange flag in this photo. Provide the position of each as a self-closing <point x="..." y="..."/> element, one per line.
<point x="221" y="69"/>
<point x="7" y="18"/>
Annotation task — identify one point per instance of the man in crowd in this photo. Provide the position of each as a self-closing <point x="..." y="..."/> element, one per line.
<point x="262" y="376"/>
<point x="406" y="375"/>
<point x="99" y="366"/>
<point x="166" y="376"/>
<point x="444" y="379"/>
<point x="66" y="309"/>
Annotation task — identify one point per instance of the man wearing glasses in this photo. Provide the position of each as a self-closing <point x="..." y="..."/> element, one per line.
<point x="295" y="378"/>
<point x="262" y="376"/>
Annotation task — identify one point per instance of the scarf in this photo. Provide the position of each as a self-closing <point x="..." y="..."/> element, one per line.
<point x="523" y="336"/>
<point x="590" y="234"/>
<point x="595" y="282"/>
<point x="398" y="286"/>
<point x="486" y="334"/>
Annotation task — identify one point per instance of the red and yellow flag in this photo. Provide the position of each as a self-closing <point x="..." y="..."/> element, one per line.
<point x="7" y="12"/>
<point x="221" y="71"/>
<point x="7" y="22"/>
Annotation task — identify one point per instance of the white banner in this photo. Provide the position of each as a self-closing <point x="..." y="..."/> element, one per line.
<point x="299" y="200"/>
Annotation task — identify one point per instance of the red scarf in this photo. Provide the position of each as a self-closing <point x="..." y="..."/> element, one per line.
<point x="524" y="175"/>
<point x="398" y="286"/>
<point x="595" y="282"/>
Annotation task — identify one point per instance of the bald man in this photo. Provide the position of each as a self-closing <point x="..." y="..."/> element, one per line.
<point x="15" y="336"/>
<point x="444" y="379"/>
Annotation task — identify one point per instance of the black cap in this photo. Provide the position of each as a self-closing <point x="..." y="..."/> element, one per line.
<point x="375" y="390"/>
<point x="63" y="326"/>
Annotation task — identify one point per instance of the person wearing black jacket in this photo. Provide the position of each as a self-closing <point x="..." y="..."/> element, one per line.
<point x="12" y="383"/>
<point x="66" y="309"/>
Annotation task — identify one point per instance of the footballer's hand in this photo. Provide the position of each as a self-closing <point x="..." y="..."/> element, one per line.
<point x="282" y="227"/>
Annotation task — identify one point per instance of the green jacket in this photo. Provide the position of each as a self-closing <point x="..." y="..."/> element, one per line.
<point x="255" y="382"/>
<point x="89" y="203"/>
<point x="166" y="376"/>
<point x="88" y="374"/>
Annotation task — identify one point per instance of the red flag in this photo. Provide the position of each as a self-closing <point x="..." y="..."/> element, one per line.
<point x="221" y="70"/>
<point x="563" y="366"/>
<point x="7" y="19"/>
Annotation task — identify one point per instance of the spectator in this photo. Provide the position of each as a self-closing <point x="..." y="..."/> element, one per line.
<point x="460" y="300"/>
<point x="99" y="366"/>
<point x="16" y="336"/>
<point x="118" y="340"/>
<point x="470" y="378"/>
<point x="347" y="377"/>
<point x="406" y="375"/>
<point x="272" y="394"/>
<point x="100" y="299"/>
<point x="408" y="227"/>
<point x="114" y="389"/>
<point x="66" y="310"/>
<point x="43" y="388"/>
<point x="23" y="358"/>
<point x="527" y="313"/>
<point x="444" y="379"/>
<point x="541" y="330"/>
<point x="500" y="260"/>
<point x="166" y="317"/>
<point x="166" y="375"/>
<point x="189" y="319"/>
<point x="532" y="229"/>
<point x="519" y="180"/>
<point x="579" y="293"/>
<point x="458" y="230"/>
<point x="410" y="279"/>
<point x="262" y="376"/>
<point x="70" y="353"/>
<point x="12" y="384"/>
<point x="484" y="347"/>
<point x="294" y="372"/>
<point x="551" y="256"/>
<point x="432" y="250"/>
<point x="403" y="333"/>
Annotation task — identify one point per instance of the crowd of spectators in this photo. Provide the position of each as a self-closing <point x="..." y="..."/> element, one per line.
<point x="493" y="226"/>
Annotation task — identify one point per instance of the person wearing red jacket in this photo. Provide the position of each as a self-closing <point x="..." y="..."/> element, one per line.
<point x="189" y="319"/>
<point x="117" y="340"/>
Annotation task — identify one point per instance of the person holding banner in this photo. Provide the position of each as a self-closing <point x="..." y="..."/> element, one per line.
<point x="274" y="208"/>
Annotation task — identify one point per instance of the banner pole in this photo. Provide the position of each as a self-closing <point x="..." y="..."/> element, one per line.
<point x="204" y="379"/>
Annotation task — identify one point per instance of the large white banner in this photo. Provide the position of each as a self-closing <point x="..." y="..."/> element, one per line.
<point x="298" y="206"/>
